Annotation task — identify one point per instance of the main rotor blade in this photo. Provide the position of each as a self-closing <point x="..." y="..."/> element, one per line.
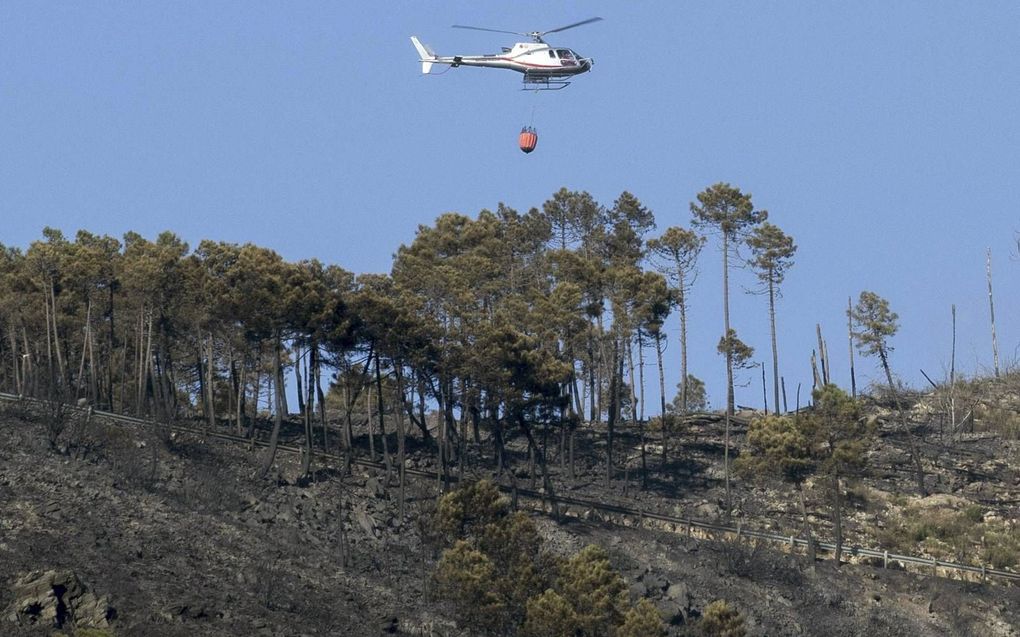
<point x="571" y="26"/>
<point x="461" y="26"/>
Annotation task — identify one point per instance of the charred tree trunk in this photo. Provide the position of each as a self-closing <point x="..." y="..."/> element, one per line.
<point x="382" y="414"/>
<point x="775" y="346"/>
<point x="663" y="416"/>
<point x="915" y="455"/>
<point x="210" y="382"/>
<point x="850" y="339"/>
<point x="274" y="437"/>
<point x="837" y="518"/>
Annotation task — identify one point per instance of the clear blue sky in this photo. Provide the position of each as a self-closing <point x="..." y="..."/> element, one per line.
<point x="883" y="136"/>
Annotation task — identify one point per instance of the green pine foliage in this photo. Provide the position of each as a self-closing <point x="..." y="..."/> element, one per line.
<point x="721" y="620"/>
<point x="500" y="579"/>
<point x="641" y="620"/>
<point x="778" y="446"/>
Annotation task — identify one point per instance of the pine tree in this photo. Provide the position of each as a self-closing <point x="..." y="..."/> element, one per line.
<point x="730" y="214"/>
<point x="676" y="253"/>
<point x="875" y="324"/>
<point x="772" y="254"/>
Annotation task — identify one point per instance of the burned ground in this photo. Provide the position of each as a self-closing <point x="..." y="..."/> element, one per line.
<point x="183" y="540"/>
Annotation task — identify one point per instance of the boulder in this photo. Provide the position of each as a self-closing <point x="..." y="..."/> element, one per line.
<point x="366" y="522"/>
<point x="707" y="511"/>
<point x="638" y="590"/>
<point x="670" y="610"/>
<point x="655" y="583"/>
<point x="375" y="487"/>
<point x="57" y="599"/>
<point x="681" y="594"/>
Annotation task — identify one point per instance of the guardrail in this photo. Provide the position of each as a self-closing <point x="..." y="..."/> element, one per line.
<point x="683" y="523"/>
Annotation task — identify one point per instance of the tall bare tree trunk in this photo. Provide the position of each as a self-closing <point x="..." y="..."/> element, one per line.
<point x="850" y="339"/>
<point x="84" y="349"/>
<point x="210" y="381"/>
<point x="28" y="373"/>
<point x="730" y="402"/>
<point x="56" y="333"/>
<point x="49" y="347"/>
<point x="15" y="359"/>
<point x="823" y="359"/>
<point x="611" y="417"/>
<point x="634" y="413"/>
<point x="368" y="415"/>
<point x="238" y="374"/>
<point x="641" y="374"/>
<point x="322" y="398"/>
<point x="148" y="356"/>
<point x="952" y="377"/>
<point x="93" y="379"/>
<point x="401" y="429"/>
<point x="298" y="380"/>
<point x="257" y="393"/>
<point x="837" y="518"/>
<point x="307" y="406"/>
<point x="682" y="310"/>
<point x="113" y="347"/>
<point x="140" y="359"/>
<point x="274" y="437"/>
<point x="593" y="412"/>
<point x="662" y="397"/>
<point x="775" y="347"/>
<point x="915" y="455"/>
<point x="991" y="312"/>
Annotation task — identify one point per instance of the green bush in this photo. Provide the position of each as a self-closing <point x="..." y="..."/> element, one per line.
<point x="953" y="535"/>
<point x="500" y="579"/>
<point x="721" y="620"/>
<point x="597" y="592"/>
<point x="1002" y="549"/>
<point x="466" y="578"/>
<point x="463" y="512"/>
<point x="642" y="620"/>
<point x="549" y="615"/>
<point x="975" y="513"/>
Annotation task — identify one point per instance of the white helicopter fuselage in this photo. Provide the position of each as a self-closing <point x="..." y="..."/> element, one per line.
<point x="536" y="60"/>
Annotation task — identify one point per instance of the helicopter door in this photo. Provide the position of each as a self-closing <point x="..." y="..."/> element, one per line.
<point x="566" y="57"/>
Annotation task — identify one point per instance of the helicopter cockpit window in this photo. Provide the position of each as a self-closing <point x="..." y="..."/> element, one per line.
<point x="565" y="54"/>
<point x="552" y="54"/>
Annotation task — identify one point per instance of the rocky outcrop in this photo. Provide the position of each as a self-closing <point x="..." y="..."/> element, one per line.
<point x="57" y="599"/>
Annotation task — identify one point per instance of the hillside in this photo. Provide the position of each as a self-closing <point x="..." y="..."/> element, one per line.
<point x="180" y="538"/>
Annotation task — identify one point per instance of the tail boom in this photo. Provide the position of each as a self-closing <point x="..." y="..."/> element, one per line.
<point x="427" y="56"/>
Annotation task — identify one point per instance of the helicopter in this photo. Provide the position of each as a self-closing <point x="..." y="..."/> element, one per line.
<point x="544" y="67"/>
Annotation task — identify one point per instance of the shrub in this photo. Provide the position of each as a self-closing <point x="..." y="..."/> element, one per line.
<point x="501" y="580"/>
<point x="642" y="620"/>
<point x="465" y="511"/>
<point x="465" y="577"/>
<point x="954" y="535"/>
<point x="722" y="620"/>
<point x="1002" y="549"/>
<point x="597" y="592"/>
<point x="549" y="615"/>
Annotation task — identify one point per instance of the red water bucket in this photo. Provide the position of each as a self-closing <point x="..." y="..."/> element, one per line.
<point x="528" y="139"/>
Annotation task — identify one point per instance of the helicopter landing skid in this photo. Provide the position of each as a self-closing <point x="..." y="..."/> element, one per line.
<point x="543" y="84"/>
